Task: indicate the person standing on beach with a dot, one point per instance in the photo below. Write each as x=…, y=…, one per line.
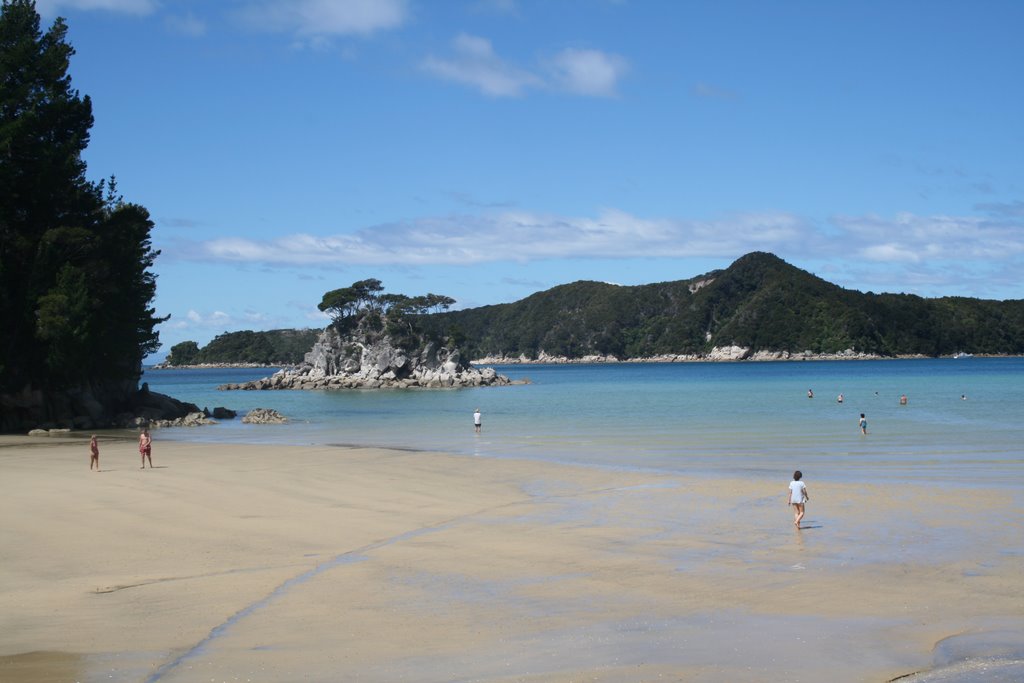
x=146, y=449
x=94, y=451
x=476, y=420
x=798, y=496
x=863, y=422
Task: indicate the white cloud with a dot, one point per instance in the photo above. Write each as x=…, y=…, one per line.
x=194, y=320
x=496, y=6
x=318, y=18
x=186, y=25
x=911, y=238
x=588, y=72
x=928, y=255
x=709, y=91
x=476, y=64
x=49, y=8
x=514, y=235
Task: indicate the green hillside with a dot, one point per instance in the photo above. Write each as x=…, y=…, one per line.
x=760, y=302
x=272, y=347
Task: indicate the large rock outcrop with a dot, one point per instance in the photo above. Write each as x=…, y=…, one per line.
x=367, y=360
x=90, y=406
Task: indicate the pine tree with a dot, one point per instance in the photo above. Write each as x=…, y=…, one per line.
x=75, y=280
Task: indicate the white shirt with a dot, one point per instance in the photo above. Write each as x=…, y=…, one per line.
x=798, y=492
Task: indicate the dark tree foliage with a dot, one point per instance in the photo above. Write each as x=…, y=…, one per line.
x=271, y=347
x=75, y=284
x=363, y=307
x=185, y=353
x=760, y=302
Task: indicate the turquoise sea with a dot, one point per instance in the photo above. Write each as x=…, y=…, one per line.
x=749, y=419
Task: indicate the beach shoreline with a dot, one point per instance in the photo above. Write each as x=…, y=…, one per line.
x=325, y=563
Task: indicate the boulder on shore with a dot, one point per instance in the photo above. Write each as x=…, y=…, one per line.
x=264, y=416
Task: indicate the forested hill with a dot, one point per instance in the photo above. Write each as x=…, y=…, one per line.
x=271, y=347
x=760, y=302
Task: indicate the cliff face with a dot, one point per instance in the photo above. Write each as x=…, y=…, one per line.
x=371, y=359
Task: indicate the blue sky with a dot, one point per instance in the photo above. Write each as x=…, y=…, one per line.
x=489, y=149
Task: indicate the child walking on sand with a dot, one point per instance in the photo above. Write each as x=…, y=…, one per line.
x=94, y=450
x=798, y=496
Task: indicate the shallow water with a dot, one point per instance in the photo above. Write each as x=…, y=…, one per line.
x=749, y=419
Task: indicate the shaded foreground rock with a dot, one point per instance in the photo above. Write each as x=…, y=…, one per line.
x=98, y=406
x=264, y=416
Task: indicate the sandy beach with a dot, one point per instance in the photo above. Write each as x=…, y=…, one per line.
x=272, y=563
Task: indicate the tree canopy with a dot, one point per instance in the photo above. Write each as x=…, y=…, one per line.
x=75, y=258
x=365, y=296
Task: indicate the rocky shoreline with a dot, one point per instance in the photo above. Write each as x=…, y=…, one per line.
x=717, y=354
x=215, y=366
x=306, y=378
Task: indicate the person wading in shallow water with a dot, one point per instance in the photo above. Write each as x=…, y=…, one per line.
x=476, y=420
x=146, y=449
x=797, y=497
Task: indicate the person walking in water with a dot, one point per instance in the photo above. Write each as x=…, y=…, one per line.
x=797, y=497
x=476, y=420
x=94, y=453
x=146, y=449
x=863, y=422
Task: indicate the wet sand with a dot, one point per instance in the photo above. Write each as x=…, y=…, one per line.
x=270, y=563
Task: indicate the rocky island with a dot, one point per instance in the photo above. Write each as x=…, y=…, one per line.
x=375, y=342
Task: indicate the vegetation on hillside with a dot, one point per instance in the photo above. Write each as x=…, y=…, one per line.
x=760, y=302
x=272, y=347
x=75, y=258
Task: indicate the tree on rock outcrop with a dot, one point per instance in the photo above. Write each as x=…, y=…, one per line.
x=75, y=284
x=363, y=309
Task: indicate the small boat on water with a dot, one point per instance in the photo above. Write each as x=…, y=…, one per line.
x=963, y=354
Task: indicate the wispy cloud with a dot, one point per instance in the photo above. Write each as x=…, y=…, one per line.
x=467, y=199
x=916, y=239
x=1012, y=209
x=49, y=8
x=496, y=6
x=708, y=91
x=515, y=236
x=322, y=18
x=218, y=320
x=476, y=64
x=905, y=252
x=588, y=72
x=186, y=24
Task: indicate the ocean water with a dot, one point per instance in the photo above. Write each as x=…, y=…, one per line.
x=748, y=419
